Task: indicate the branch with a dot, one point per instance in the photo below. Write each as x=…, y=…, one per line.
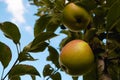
x=13, y=64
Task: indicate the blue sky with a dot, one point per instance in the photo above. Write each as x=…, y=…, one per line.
x=22, y=13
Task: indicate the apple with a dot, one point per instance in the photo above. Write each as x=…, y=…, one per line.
x=76, y=58
x=75, y=18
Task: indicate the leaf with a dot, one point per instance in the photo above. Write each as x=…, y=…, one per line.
x=117, y=27
x=25, y=57
x=89, y=5
x=36, y=2
x=15, y=78
x=5, y=54
x=90, y=34
x=48, y=3
x=47, y=70
x=59, y=4
x=53, y=56
x=38, y=44
x=39, y=48
x=113, y=17
x=64, y=42
x=33, y=77
x=66, y=32
x=114, y=36
x=114, y=69
x=75, y=78
x=92, y=75
x=56, y=76
x=54, y=22
x=22, y=69
x=41, y=24
x=11, y=31
x=109, y=2
x=52, y=26
x=99, y=16
x=43, y=36
x=36, y=48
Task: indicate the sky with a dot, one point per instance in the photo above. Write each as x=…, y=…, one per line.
x=22, y=13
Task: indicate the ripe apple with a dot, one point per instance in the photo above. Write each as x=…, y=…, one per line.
x=76, y=58
x=75, y=17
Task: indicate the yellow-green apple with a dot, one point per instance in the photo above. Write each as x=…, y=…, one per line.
x=75, y=17
x=76, y=58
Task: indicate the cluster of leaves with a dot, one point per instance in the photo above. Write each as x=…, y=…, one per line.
x=11, y=31
x=102, y=34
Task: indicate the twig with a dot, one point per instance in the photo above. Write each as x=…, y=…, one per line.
x=52, y=73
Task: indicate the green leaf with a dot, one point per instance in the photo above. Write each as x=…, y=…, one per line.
x=109, y=2
x=33, y=77
x=53, y=56
x=54, y=22
x=39, y=48
x=66, y=32
x=92, y=75
x=113, y=17
x=64, y=42
x=90, y=34
x=47, y=3
x=59, y=4
x=100, y=14
x=36, y=48
x=5, y=54
x=89, y=5
x=43, y=36
x=25, y=57
x=114, y=69
x=38, y=44
x=22, y=69
x=52, y=26
x=15, y=78
x=36, y=2
x=41, y=24
x=11, y=31
x=47, y=70
x=75, y=78
x=56, y=76
x=117, y=27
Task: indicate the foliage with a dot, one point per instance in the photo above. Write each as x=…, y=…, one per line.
x=102, y=34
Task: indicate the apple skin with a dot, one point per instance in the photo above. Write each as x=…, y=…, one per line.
x=76, y=58
x=75, y=18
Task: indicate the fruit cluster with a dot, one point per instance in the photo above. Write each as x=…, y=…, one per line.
x=76, y=57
